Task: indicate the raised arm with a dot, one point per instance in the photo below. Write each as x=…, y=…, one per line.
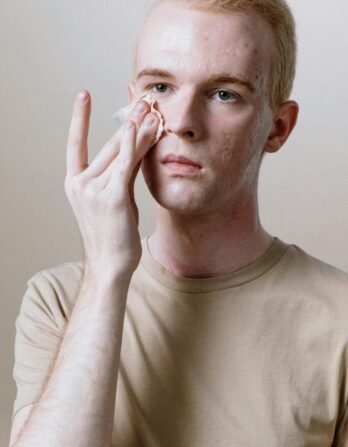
x=77, y=405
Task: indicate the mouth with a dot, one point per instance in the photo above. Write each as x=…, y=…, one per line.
x=181, y=165
x=180, y=160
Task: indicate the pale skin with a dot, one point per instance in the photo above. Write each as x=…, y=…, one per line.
x=76, y=407
x=211, y=219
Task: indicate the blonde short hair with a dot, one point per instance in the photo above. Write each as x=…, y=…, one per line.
x=279, y=16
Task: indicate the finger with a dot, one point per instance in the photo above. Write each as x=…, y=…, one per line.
x=77, y=152
x=144, y=139
x=140, y=110
x=146, y=135
x=103, y=179
x=124, y=163
x=112, y=147
x=132, y=182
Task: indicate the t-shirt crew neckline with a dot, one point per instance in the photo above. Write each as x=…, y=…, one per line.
x=200, y=285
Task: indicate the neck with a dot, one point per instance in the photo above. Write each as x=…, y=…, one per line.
x=209, y=245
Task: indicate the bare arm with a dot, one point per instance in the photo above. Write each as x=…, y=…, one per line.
x=77, y=405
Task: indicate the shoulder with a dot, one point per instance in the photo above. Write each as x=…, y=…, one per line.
x=313, y=285
x=66, y=273
x=309, y=268
x=53, y=291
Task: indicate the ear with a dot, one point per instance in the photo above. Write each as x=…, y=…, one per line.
x=284, y=121
x=131, y=91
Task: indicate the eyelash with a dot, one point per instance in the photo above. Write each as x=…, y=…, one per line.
x=156, y=85
x=230, y=93
x=236, y=96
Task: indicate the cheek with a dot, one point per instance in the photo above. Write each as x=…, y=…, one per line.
x=244, y=132
x=234, y=141
x=239, y=149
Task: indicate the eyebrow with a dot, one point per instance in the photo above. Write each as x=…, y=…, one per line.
x=222, y=78
x=154, y=72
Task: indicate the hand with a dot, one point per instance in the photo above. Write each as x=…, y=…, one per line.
x=101, y=194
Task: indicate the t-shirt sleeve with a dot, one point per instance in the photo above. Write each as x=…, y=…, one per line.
x=45, y=309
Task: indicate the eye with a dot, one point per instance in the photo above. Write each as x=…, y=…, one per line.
x=226, y=96
x=159, y=88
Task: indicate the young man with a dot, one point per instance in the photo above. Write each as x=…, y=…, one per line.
x=215, y=332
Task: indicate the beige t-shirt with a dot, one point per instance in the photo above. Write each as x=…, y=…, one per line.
x=256, y=358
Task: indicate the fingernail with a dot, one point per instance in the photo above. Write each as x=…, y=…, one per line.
x=82, y=96
x=140, y=107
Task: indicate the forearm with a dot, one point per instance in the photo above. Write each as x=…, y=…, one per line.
x=77, y=405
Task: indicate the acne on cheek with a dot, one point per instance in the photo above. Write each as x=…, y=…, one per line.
x=238, y=159
x=228, y=142
x=245, y=136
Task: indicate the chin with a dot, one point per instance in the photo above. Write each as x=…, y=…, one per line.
x=180, y=200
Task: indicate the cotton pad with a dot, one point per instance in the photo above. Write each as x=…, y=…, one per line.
x=124, y=113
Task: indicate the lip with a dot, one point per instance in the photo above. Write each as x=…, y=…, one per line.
x=180, y=159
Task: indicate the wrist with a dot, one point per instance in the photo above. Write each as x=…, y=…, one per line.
x=107, y=276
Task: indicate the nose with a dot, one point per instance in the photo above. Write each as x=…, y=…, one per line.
x=183, y=117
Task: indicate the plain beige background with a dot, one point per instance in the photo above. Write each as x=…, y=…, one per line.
x=50, y=50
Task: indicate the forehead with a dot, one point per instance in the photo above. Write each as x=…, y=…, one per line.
x=197, y=41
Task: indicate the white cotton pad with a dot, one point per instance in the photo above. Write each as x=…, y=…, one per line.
x=124, y=113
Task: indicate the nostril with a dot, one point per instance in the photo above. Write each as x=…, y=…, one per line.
x=182, y=131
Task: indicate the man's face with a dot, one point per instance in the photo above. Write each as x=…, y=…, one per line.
x=209, y=73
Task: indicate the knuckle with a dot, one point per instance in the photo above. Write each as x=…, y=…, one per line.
x=90, y=192
x=77, y=188
x=125, y=162
x=78, y=183
x=114, y=200
x=123, y=170
x=82, y=192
